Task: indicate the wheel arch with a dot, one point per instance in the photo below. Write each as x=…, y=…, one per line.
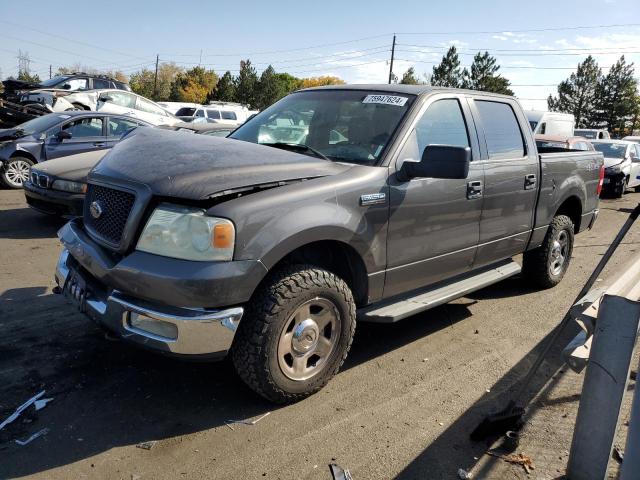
x=572, y=208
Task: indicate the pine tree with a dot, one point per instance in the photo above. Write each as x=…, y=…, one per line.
x=616, y=95
x=484, y=75
x=448, y=72
x=577, y=94
x=225, y=90
x=409, y=77
x=246, y=83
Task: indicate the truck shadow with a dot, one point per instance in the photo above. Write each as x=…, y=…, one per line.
x=24, y=223
x=108, y=394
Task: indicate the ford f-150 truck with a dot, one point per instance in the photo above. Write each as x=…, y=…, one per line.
x=333, y=206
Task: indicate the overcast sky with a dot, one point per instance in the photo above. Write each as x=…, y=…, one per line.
x=351, y=40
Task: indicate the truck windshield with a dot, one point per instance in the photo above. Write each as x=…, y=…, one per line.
x=590, y=134
x=611, y=150
x=352, y=126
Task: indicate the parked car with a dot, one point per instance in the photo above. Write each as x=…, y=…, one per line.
x=57, y=135
x=173, y=107
x=551, y=123
x=108, y=101
x=622, y=165
x=567, y=143
x=592, y=133
x=201, y=246
x=632, y=138
x=57, y=187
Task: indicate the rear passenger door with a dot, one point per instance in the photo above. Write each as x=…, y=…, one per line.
x=434, y=223
x=511, y=170
x=87, y=134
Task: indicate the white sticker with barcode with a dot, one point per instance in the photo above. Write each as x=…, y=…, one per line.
x=386, y=100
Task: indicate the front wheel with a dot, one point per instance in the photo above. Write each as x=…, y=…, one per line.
x=546, y=265
x=16, y=171
x=296, y=333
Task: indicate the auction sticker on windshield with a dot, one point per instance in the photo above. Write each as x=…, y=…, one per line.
x=386, y=100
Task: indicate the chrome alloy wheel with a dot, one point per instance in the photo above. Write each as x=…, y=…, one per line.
x=308, y=339
x=17, y=172
x=559, y=251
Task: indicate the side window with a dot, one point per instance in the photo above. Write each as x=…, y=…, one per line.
x=122, y=99
x=75, y=84
x=84, y=127
x=200, y=113
x=118, y=126
x=543, y=129
x=99, y=83
x=229, y=115
x=213, y=114
x=147, y=106
x=442, y=124
x=501, y=130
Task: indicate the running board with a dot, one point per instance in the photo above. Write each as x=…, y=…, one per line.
x=438, y=295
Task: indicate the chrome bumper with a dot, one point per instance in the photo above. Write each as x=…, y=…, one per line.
x=181, y=331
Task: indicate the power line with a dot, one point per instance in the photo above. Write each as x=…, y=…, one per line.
x=515, y=49
x=528, y=54
x=524, y=67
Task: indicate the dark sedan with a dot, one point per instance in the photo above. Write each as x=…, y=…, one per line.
x=57, y=135
x=57, y=187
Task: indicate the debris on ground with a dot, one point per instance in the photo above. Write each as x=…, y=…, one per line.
x=44, y=431
x=40, y=404
x=463, y=474
x=146, y=445
x=20, y=409
x=618, y=453
x=517, y=459
x=247, y=422
x=339, y=473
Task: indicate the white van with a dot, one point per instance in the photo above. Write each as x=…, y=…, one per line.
x=592, y=133
x=215, y=112
x=551, y=123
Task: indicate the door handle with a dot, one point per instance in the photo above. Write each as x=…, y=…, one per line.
x=530, y=181
x=474, y=189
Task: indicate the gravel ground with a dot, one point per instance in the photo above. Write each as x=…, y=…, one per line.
x=402, y=406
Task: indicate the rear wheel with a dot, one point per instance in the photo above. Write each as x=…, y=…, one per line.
x=619, y=190
x=546, y=265
x=16, y=171
x=296, y=333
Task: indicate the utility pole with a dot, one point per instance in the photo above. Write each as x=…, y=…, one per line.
x=50, y=69
x=393, y=51
x=155, y=79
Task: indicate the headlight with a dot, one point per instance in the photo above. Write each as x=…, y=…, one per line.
x=187, y=233
x=68, y=186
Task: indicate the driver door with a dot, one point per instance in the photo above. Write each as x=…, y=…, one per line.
x=87, y=134
x=434, y=224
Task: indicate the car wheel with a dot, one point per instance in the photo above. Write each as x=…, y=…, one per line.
x=77, y=106
x=618, y=192
x=296, y=333
x=16, y=171
x=546, y=265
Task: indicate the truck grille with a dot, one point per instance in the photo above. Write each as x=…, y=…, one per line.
x=106, y=212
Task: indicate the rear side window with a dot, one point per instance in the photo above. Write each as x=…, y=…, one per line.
x=501, y=130
x=213, y=114
x=99, y=84
x=226, y=115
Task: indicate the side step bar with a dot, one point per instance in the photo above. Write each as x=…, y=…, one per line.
x=439, y=294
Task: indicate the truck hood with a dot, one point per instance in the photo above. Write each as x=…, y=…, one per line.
x=15, y=85
x=7, y=134
x=612, y=161
x=196, y=167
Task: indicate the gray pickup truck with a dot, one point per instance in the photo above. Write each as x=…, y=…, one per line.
x=333, y=206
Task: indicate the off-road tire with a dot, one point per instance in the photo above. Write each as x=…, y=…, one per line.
x=8, y=171
x=536, y=263
x=254, y=352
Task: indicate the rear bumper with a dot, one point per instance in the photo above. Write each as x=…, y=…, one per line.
x=53, y=202
x=177, y=331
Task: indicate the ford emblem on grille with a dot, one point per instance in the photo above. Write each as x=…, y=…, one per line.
x=95, y=209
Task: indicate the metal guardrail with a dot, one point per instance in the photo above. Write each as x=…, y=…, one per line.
x=605, y=346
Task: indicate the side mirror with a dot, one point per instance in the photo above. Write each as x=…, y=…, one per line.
x=439, y=161
x=105, y=98
x=63, y=135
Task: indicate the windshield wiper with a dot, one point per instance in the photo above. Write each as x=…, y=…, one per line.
x=297, y=146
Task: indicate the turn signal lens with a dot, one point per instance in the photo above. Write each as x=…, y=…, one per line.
x=223, y=235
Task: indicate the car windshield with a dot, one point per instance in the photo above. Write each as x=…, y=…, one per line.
x=591, y=134
x=611, y=150
x=40, y=124
x=185, y=112
x=50, y=82
x=351, y=126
